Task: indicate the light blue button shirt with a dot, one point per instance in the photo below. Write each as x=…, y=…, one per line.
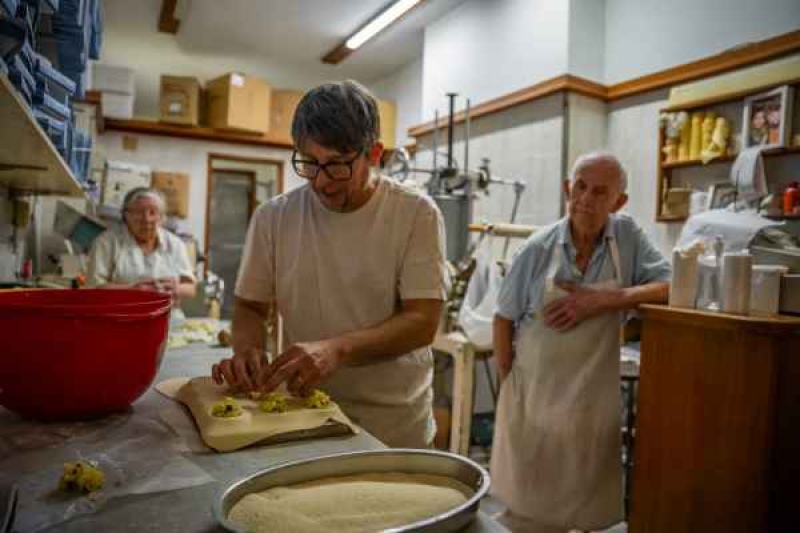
x=521, y=293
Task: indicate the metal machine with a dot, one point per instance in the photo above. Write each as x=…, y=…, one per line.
x=455, y=189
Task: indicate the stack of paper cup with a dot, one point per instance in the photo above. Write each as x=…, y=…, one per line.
x=765, y=289
x=683, y=289
x=737, y=269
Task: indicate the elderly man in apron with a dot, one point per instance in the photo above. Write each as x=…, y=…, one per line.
x=353, y=262
x=556, y=462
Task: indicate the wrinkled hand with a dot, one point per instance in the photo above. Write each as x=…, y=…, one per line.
x=166, y=285
x=241, y=371
x=303, y=367
x=581, y=303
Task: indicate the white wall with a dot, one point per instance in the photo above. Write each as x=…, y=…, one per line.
x=131, y=39
x=644, y=36
x=587, y=126
x=587, y=29
x=404, y=87
x=523, y=144
x=633, y=138
x=191, y=157
x=486, y=48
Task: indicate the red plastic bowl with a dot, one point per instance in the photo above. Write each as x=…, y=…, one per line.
x=76, y=354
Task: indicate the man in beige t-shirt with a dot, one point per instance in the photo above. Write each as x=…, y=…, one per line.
x=354, y=264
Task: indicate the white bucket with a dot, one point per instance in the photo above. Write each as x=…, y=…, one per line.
x=765, y=289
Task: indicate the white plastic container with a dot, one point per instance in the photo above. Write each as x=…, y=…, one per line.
x=737, y=268
x=765, y=289
x=683, y=288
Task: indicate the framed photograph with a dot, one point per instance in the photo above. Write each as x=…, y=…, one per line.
x=767, y=118
x=720, y=195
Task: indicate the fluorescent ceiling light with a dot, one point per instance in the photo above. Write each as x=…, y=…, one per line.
x=392, y=13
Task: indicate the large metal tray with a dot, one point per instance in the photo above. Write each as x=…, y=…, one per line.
x=393, y=460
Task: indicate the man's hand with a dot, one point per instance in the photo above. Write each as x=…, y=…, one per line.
x=303, y=367
x=241, y=371
x=581, y=303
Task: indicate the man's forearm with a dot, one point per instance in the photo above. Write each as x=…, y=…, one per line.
x=631, y=297
x=247, y=329
x=407, y=330
x=502, y=339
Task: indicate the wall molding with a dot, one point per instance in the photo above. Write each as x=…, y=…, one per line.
x=736, y=58
x=197, y=133
x=566, y=82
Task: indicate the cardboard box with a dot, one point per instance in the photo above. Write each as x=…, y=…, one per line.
x=113, y=79
x=284, y=103
x=388, y=114
x=180, y=100
x=121, y=177
x=117, y=105
x=238, y=102
x=175, y=188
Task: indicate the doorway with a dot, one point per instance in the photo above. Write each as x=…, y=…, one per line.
x=236, y=186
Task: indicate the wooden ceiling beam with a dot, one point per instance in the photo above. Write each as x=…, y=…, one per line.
x=167, y=23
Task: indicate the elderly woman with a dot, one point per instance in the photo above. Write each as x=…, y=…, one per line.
x=141, y=254
x=556, y=453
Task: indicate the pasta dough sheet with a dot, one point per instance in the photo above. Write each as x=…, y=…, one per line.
x=254, y=425
x=349, y=504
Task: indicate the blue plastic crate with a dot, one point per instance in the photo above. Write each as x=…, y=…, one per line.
x=22, y=88
x=96, y=37
x=9, y=7
x=27, y=55
x=20, y=76
x=81, y=154
x=12, y=36
x=47, y=104
x=28, y=11
x=50, y=81
x=72, y=11
x=56, y=130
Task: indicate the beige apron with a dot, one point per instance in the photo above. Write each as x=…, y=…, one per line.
x=392, y=400
x=556, y=452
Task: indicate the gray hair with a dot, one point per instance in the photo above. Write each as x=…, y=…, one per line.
x=341, y=116
x=600, y=156
x=144, y=192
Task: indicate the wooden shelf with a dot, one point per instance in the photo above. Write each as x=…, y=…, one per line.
x=197, y=133
x=29, y=163
x=95, y=98
x=729, y=158
x=664, y=218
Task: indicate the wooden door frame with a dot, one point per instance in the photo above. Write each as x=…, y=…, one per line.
x=250, y=173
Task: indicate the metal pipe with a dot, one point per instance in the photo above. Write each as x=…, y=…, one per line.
x=433, y=184
x=450, y=117
x=466, y=140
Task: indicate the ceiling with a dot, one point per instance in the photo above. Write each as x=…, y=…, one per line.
x=300, y=32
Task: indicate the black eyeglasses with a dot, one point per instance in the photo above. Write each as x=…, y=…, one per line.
x=336, y=170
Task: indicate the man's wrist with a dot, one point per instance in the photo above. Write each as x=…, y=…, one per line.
x=343, y=350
